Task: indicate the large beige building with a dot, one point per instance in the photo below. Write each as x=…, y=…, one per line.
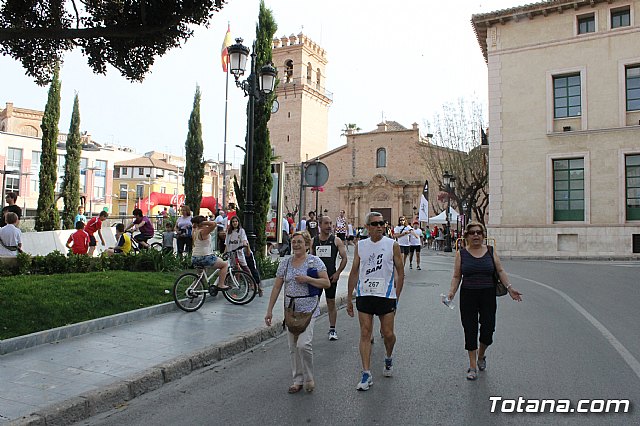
x=564, y=115
x=20, y=150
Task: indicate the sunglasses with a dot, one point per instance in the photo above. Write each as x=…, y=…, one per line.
x=476, y=232
x=379, y=223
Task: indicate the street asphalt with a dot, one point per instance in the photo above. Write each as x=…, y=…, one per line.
x=563, y=341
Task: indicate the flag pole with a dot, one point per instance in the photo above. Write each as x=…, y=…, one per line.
x=224, y=157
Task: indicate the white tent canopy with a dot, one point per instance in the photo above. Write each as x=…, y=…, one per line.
x=441, y=219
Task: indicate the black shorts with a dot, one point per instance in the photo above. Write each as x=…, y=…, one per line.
x=404, y=249
x=414, y=248
x=350, y=238
x=341, y=235
x=374, y=305
x=92, y=241
x=142, y=237
x=330, y=293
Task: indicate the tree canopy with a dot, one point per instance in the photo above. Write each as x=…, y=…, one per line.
x=126, y=34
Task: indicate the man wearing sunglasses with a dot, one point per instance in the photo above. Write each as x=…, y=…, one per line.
x=376, y=262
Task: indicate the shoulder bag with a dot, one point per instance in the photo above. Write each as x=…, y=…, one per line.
x=501, y=289
x=296, y=322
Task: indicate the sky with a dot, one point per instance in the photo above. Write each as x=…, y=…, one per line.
x=399, y=61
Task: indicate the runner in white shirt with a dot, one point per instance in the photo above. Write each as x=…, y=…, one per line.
x=415, y=243
x=401, y=233
x=376, y=262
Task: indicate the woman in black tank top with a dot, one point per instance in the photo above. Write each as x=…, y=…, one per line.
x=474, y=267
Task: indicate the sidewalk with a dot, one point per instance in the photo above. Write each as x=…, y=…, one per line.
x=76, y=378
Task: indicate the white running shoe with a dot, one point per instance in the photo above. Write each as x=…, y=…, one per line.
x=365, y=382
x=333, y=335
x=388, y=367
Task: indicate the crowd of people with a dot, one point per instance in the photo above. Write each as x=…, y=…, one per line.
x=376, y=281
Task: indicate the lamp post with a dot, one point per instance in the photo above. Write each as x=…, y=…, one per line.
x=450, y=181
x=238, y=54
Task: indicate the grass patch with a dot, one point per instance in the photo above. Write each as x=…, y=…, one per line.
x=31, y=303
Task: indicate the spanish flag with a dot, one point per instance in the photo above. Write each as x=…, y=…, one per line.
x=228, y=41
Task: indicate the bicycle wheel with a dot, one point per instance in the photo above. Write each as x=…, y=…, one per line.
x=244, y=291
x=157, y=246
x=189, y=292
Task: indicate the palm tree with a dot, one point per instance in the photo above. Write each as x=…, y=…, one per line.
x=349, y=129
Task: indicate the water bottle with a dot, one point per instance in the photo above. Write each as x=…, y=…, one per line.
x=448, y=303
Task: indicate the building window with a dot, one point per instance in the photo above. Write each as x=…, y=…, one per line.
x=84, y=163
x=123, y=171
x=309, y=72
x=288, y=72
x=35, y=171
x=61, y=162
x=587, y=24
x=140, y=171
x=116, y=172
x=139, y=191
x=14, y=158
x=633, y=87
x=568, y=189
x=100, y=180
x=381, y=157
x=620, y=18
x=566, y=96
x=12, y=184
x=163, y=189
x=123, y=191
x=632, y=176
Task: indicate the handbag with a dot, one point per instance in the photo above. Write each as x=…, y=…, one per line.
x=296, y=322
x=501, y=289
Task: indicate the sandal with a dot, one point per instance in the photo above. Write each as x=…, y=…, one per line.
x=260, y=291
x=295, y=388
x=482, y=363
x=225, y=288
x=472, y=374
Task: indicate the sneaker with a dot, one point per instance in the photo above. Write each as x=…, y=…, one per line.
x=418, y=267
x=365, y=382
x=388, y=367
x=410, y=266
x=333, y=335
x=482, y=363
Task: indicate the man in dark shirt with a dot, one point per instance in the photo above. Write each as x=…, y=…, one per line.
x=312, y=225
x=144, y=225
x=11, y=206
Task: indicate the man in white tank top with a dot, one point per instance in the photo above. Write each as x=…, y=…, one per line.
x=377, y=276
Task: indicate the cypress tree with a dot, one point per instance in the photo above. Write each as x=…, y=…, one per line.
x=47, y=217
x=262, y=182
x=194, y=168
x=71, y=182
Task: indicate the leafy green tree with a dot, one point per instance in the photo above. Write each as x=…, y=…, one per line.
x=71, y=182
x=194, y=148
x=262, y=154
x=47, y=217
x=127, y=35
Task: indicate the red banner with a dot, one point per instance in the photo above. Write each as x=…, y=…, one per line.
x=160, y=199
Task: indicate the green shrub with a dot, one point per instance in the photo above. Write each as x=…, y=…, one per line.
x=267, y=267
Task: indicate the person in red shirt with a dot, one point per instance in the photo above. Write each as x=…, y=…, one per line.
x=95, y=224
x=80, y=240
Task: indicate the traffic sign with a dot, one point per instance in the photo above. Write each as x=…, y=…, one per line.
x=316, y=174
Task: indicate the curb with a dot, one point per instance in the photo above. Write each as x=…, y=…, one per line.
x=116, y=394
x=85, y=327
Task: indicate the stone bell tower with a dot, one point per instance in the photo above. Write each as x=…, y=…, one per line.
x=299, y=128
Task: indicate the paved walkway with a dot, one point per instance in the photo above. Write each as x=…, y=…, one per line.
x=75, y=378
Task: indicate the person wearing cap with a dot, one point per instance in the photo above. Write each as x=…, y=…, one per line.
x=415, y=243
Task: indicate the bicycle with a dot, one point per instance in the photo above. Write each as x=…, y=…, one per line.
x=190, y=289
x=135, y=246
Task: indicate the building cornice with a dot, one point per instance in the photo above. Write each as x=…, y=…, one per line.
x=483, y=21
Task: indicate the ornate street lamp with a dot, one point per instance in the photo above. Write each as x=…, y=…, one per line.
x=238, y=54
x=450, y=181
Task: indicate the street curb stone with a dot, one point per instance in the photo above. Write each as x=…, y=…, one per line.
x=89, y=404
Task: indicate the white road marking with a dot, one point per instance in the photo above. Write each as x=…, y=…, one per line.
x=631, y=361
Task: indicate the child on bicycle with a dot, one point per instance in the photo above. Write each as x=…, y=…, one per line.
x=143, y=224
x=124, y=242
x=202, y=254
x=236, y=238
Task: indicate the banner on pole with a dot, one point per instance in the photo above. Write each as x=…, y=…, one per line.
x=423, y=214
